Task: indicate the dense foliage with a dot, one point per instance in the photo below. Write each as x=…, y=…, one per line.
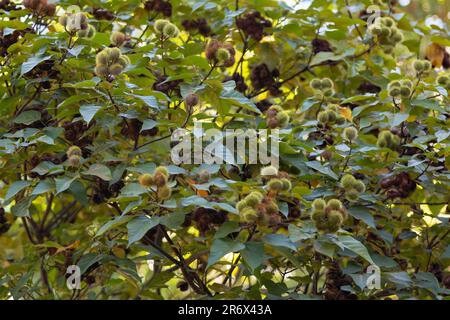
x=88, y=108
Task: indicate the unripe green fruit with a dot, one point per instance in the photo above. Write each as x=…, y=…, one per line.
x=101, y=70
x=351, y=195
x=328, y=93
x=335, y=218
x=124, y=61
x=249, y=215
x=241, y=205
x=275, y=185
x=442, y=80
x=272, y=123
x=382, y=143
x=269, y=171
x=74, y=151
x=160, y=24
x=63, y=20
x=316, y=84
x=340, y=119
x=407, y=83
x=326, y=83
x=145, y=180
x=347, y=181
x=376, y=30
x=191, y=100
x=117, y=38
x=164, y=192
x=74, y=160
x=113, y=53
x=163, y=170
x=116, y=69
x=322, y=117
x=283, y=119
x=387, y=21
x=395, y=92
x=418, y=66
x=331, y=116
x=394, y=84
x=350, y=133
x=334, y=204
x=253, y=199
x=388, y=49
x=170, y=30
x=272, y=208
x=222, y=54
x=397, y=37
x=287, y=185
x=319, y=204
x=405, y=91
x=385, y=31
x=318, y=215
x=159, y=179
x=359, y=186
x=102, y=58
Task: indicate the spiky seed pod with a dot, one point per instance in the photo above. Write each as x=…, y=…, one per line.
x=318, y=216
x=74, y=160
x=331, y=115
x=74, y=151
x=275, y=185
x=114, y=54
x=146, y=180
x=63, y=20
x=394, y=92
x=322, y=117
x=115, y=69
x=334, y=204
x=319, y=204
x=287, y=185
x=340, y=120
x=316, y=84
x=335, y=218
x=407, y=83
x=160, y=179
x=405, y=91
x=160, y=24
x=359, y=186
x=163, y=170
x=124, y=61
x=222, y=55
x=347, y=181
x=351, y=195
x=272, y=208
x=253, y=198
x=118, y=38
x=350, y=133
x=387, y=21
x=269, y=171
x=101, y=70
x=283, y=119
x=191, y=100
x=326, y=83
x=442, y=80
x=249, y=215
x=385, y=32
x=170, y=30
x=164, y=192
x=418, y=66
x=241, y=205
x=102, y=58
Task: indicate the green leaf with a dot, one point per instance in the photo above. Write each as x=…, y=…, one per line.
x=15, y=188
x=316, y=165
x=62, y=184
x=112, y=224
x=28, y=117
x=138, y=227
x=88, y=112
x=253, y=254
x=225, y=229
x=32, y=62
x=357, y=247
x=21, y=209
x=221, y=247
x=362, y=213
x=43, y=187
x=99, y=170
x=279, y=240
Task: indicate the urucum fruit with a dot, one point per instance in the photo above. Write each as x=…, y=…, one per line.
x=328, y=216
x=444, y=81
x=74, y=22
x=387, y=33
x=110, y=61
x=330, y=116
x=352, y=187
x=276, y=117
x=350, y=134
x=166, y=28
x=400, y=89
x=422, y=66
x=74, y=156
x=88, y=33
x=387, y=139
x=158, y=179
x=322, y=87
x=221, y=54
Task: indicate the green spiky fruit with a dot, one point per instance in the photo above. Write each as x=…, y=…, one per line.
x=359, y=186
x=322, y=117
x=241, y=205
x=347, y=181
x=74, y=160
x=222, y=54
x=275, y=185
x=115, y=69
x=319, y=204
x=145, y=180
x=350, y=133
x=316, y=84
x=170, y=30
x=117, y=38
x=160, y=24
x=164, y=192
x=253, y=199
x=326, y=83
x=163, y=170
x=287, y=185
x=74, y=151
x=249, y=215
x=334, y=204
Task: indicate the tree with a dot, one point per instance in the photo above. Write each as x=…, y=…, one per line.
x=93, y=207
